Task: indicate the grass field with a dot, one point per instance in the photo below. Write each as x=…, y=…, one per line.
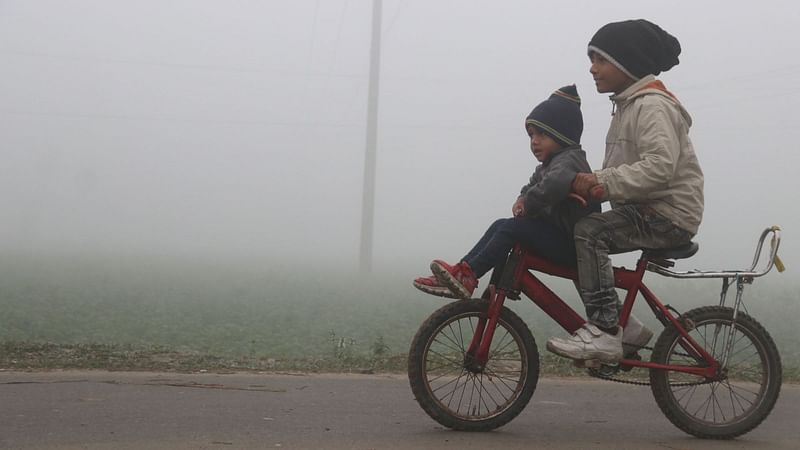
x=258, y=315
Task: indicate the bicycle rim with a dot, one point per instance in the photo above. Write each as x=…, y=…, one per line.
x=474, y=396
x=739, y=394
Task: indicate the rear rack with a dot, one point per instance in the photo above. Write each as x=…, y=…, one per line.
x=740, y=274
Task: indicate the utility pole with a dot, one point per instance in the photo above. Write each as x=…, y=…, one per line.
x=368, y=200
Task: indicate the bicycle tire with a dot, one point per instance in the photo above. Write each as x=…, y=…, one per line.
x=440, y=380
x=737, y=402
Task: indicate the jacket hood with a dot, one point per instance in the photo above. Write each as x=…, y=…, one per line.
x=649, y=85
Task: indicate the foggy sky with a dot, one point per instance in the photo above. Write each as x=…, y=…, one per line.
x=210, y=128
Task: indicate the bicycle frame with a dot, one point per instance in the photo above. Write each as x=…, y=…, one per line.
x=517, y=277
x=520, y=266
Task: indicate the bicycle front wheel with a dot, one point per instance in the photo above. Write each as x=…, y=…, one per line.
x=453, y=392
x=736, y=401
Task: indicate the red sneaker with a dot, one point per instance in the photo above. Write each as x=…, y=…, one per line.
x=459, y=278
x=431, y=285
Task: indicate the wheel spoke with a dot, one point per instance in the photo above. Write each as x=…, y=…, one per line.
x=504, y=380
x=482, y=399
x=448, y=358
x=717, y=405
x=463, y=390
x=454, y=338
x=454, y=382
x=502, y=345
x=736, y=398
x=448, y=373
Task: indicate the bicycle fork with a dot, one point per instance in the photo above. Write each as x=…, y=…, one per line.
x=740, y=282
x=478, y=352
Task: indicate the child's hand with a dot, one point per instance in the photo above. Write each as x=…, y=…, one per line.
x=518, y=209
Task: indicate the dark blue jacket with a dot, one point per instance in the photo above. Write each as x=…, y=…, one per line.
x=546, y=193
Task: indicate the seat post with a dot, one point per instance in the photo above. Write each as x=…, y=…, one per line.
x=508, y=281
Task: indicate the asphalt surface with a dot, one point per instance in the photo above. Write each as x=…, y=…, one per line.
x=124, y=410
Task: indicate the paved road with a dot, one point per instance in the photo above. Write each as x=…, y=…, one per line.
x=114, y=410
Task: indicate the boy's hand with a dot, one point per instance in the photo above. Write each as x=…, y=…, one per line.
x=518, y=209
x=583, y=183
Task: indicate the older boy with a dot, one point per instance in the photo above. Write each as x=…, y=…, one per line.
x=543, y=216
x=650, y=175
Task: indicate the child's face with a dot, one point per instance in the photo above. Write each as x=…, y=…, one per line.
x=607, y=77
x=542, y=145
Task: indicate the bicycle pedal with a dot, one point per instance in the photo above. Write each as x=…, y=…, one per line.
x=604, y=371
x=588, y=363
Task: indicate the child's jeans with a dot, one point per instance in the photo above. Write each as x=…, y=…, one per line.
x=540, y=237
x=620, y=230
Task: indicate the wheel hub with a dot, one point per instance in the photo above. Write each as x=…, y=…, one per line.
x=472, y=364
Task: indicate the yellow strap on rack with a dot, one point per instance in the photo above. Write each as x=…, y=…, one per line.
x=779, y=264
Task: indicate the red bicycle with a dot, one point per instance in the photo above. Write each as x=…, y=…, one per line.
x=714, y=371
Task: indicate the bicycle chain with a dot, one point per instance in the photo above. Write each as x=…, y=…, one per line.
x=596, y=374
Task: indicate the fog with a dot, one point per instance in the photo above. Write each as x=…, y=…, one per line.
x=235, y=130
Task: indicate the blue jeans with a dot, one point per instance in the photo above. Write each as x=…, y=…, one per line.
x=623, y=229
x=538, y=236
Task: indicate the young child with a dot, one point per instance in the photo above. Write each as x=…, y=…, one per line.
x=650, y=175
x=543, y=216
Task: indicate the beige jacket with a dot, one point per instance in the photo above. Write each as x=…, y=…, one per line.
x=649, y=156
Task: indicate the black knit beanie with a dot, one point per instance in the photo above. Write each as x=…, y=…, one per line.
x=559, y=116
x=636, y=47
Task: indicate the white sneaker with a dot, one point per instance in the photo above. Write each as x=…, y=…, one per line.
x=589, y=342
x=635, y=335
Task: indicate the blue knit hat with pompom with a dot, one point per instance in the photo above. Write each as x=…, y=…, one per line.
x=559, y=116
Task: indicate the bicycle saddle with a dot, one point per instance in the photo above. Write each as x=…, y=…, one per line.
x=680, y=252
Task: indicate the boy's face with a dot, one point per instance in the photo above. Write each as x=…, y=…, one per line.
x=607, y=77
x=542, y=145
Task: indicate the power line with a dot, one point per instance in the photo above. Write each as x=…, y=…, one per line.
x=285, y=73
x=769, y=72
x=175, y=118
x=336, y=41
x=313, y=33
x=181, y=66
x=463, y=127
x=400, y=5
x=748, y=97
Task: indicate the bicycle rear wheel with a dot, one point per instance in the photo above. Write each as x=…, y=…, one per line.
x=464, y=399
x=736, y=401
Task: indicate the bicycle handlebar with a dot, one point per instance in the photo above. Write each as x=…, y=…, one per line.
x=752, y=272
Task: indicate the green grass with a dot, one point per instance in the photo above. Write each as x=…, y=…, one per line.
x=33, y=356
x=228, y=311
x=49, y=356
x=179, y=315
